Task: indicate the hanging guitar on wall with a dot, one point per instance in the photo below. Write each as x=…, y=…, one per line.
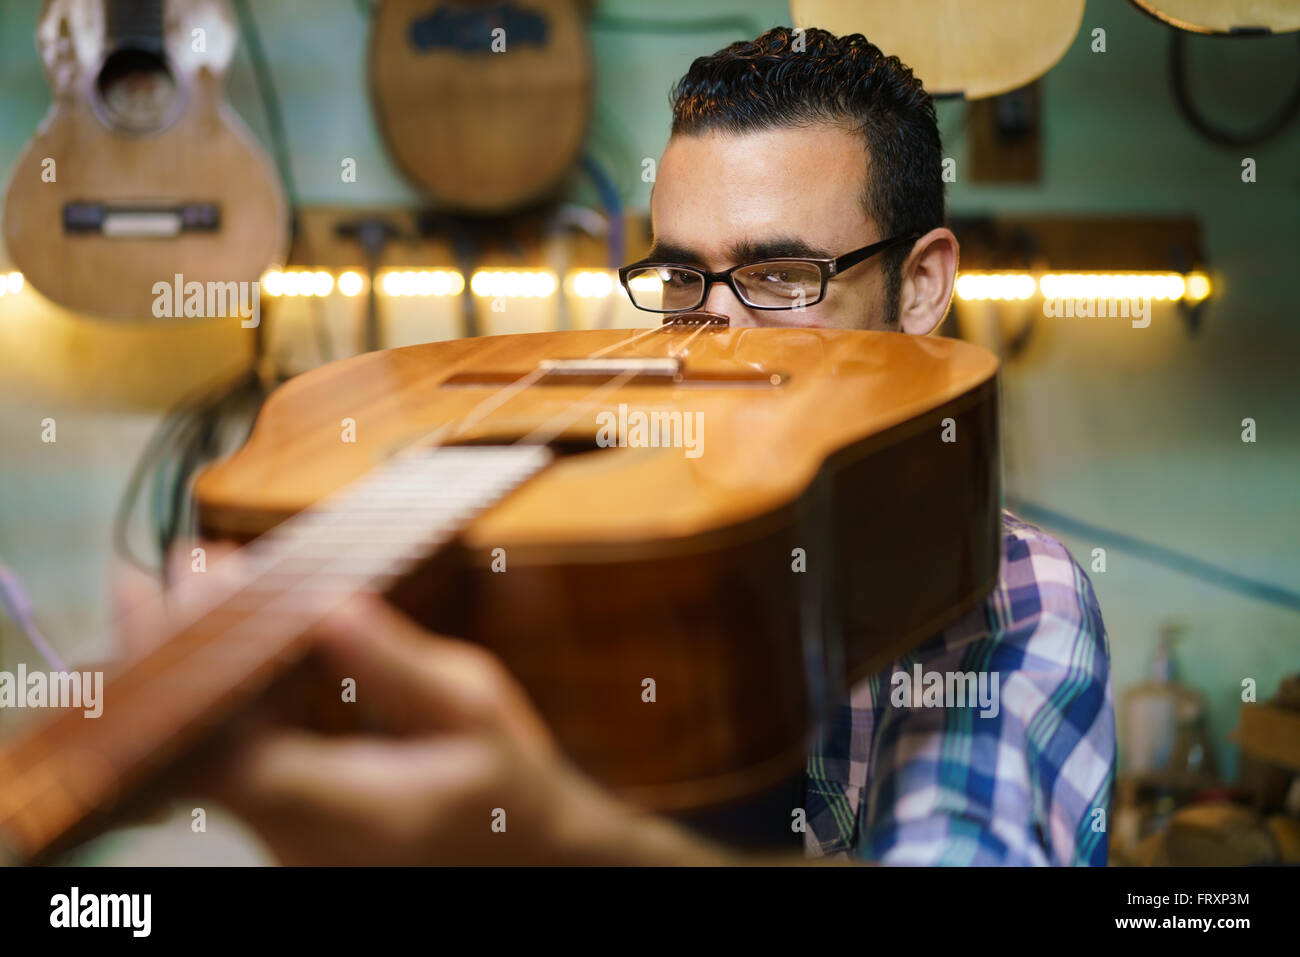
x=955, y=46
x=141, y=170
x=484, y=106
x=1225, y=16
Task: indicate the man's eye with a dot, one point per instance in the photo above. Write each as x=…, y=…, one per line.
x=677, y=277
x=775, y=276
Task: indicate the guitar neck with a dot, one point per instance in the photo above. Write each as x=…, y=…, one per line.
x=134, y=23
x=223, y=640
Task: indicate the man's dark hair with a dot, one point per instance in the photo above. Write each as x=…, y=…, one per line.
x=790, y=79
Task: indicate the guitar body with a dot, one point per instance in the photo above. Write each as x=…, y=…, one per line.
x=122, y=187
x=483, y=105
x=826, y=505
x=957, y=46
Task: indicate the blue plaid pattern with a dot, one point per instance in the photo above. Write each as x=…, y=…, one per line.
x=904, y=784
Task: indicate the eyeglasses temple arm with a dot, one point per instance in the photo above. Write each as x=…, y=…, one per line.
x=849, y=260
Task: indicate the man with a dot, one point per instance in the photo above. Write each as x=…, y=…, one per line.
x=789, y=147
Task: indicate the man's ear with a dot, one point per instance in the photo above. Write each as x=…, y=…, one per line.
x=929, y=274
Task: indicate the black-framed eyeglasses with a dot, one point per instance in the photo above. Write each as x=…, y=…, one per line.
x=789, y=282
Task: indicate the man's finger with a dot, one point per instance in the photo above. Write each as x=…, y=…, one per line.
x=356, y=799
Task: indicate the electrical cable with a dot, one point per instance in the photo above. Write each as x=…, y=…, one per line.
x=1261, y=133
x=270, y=99
x=271, y=109
x=187, y=437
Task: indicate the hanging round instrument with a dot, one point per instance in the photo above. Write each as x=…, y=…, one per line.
x=483, y=105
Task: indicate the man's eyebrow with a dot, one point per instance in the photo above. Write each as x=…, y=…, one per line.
x=670, y=252
x=741, y=252
x=776, y=248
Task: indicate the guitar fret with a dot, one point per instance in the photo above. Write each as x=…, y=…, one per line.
x=341, y=534
x=375, y=530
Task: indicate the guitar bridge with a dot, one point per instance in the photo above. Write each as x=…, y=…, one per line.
x=140, y=221
x=698, y=318
x=638, y=367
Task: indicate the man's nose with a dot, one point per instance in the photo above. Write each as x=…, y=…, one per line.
x=724, y=302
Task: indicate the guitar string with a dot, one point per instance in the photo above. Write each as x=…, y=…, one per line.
x=685, y=346
x=507, y=392
x=548, y=430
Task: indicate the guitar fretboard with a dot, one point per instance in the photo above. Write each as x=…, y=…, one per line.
x=374, y=530
x=230, y=633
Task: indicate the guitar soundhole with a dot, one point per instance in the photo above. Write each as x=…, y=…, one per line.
x=136, y=91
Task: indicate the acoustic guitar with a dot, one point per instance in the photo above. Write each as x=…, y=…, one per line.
x=812, y=504
x=140, y=171
x=483, y=105
x=957, y=46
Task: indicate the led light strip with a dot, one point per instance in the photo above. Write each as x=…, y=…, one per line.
x=11, y=283
x=1005, y=287
x=599, y=284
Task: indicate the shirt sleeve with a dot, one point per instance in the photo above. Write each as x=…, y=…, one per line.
x=1024, y=776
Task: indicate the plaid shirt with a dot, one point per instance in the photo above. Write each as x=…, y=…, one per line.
x=908, y=784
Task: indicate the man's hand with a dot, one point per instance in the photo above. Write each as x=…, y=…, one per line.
x=457, y=739
x=464, y=748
